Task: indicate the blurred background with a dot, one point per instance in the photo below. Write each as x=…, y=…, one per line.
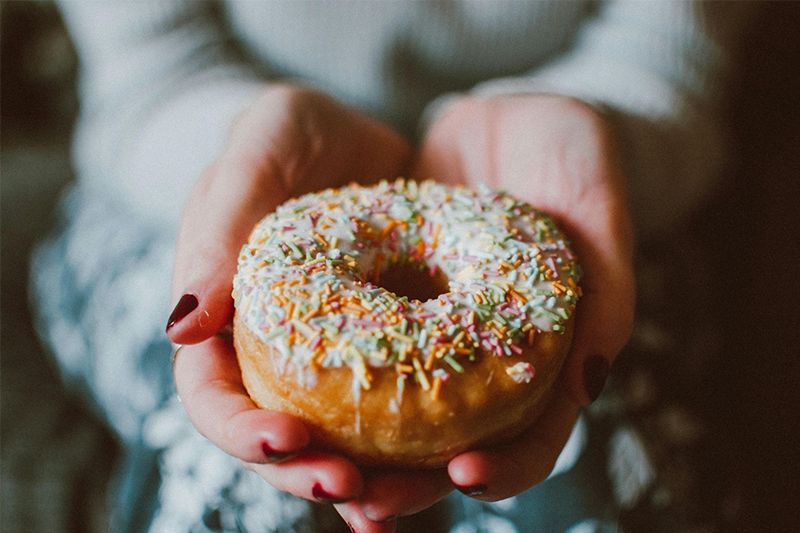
x=57, y=460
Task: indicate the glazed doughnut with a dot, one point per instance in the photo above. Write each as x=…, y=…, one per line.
x=406, y=322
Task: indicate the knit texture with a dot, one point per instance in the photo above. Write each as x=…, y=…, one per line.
x=162, y=82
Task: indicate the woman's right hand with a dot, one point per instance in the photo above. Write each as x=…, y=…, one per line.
x=288, y=142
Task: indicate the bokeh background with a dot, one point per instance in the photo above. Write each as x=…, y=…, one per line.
x=57, y=460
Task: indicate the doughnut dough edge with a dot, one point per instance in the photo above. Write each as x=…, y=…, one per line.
x=477, y=408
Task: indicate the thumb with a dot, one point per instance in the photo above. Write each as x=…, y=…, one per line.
x=225, y=205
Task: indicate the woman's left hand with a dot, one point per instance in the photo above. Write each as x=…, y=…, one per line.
x=559, y=155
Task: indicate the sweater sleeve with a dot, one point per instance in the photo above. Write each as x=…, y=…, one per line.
x=160, y=85
x=658, y=69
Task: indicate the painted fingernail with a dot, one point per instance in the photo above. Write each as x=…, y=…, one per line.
x=595, y=372
x=273, y=455
x=323, y=496
x=186, y=305
x=472, y=490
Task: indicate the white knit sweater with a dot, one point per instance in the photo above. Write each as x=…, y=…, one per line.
x=162, y=81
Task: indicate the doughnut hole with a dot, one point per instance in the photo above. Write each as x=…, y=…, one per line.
x=415, y=281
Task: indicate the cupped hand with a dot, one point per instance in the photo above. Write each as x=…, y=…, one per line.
x=559, y=155
x=287, y=142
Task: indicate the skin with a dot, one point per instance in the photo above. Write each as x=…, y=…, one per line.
x=555, y=153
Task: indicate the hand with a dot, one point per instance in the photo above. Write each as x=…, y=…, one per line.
x=559, y=155
x=288, y=142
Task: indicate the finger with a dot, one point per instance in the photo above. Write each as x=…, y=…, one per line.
x=442, y=156
x=438, y=161
x=320, y=143
x=358, y=150
x=597, y=220
x=601, y=233
x=209, y=384
x=357, y=521
x=225, y=205
x=380, y=154
x=395, y=493
x=315, y=476
x=511, y=468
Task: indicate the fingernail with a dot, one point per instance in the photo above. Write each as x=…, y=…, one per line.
x=473, y=490
x=273, y=455
x=322, y=495
x=186, y=305
x=595, y=372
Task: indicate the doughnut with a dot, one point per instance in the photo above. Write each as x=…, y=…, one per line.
x=406, y=322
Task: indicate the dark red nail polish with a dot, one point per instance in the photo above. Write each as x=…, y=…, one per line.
x=322, y=495
x=273, y=455
x=595, y=372
x=186, y=305
x=473, y=490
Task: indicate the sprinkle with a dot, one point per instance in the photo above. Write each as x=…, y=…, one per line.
x=423, y=337
x=275, y=333
x=453, y=363
x=423, y=379
x=437, y=385
x=311, y=314
x=545, y=312
x=431, y=357
x=435, y=239
x=517, y=297
x=304, y=328
x=386, y=230
x=296, y=252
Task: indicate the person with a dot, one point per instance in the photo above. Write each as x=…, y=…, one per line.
x=198, y=119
